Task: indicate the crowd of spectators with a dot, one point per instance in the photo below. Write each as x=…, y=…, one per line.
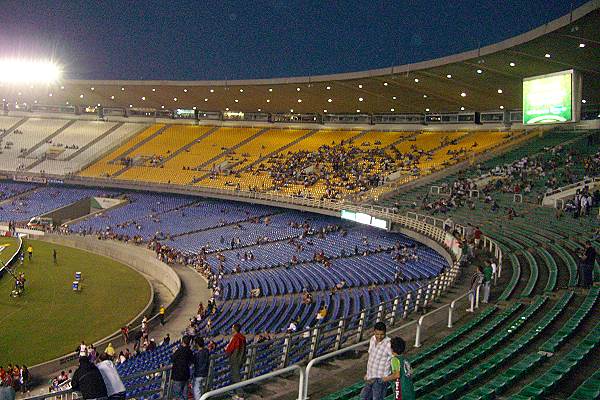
x=16, y=377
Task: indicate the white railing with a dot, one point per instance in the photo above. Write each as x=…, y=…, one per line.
x=555, y=197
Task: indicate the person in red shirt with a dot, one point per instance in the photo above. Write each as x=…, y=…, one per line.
x=236, y=353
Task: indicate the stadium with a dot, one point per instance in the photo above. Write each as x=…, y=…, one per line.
x=452, y=202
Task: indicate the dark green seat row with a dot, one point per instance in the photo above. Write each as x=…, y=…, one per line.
x=589, y=389
x=568, y=260
x=514, y=279
x=435, y=379
x=533, y=274
x=541, y=386
x=571, y=325
x=474, y=376
x=466, y=344
x=453, y=337
x=552, y=269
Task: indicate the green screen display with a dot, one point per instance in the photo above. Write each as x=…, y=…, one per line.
x=548, y=99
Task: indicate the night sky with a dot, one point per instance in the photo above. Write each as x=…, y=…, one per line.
x=197, y=40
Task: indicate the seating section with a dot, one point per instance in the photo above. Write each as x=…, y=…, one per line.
x=32, y=132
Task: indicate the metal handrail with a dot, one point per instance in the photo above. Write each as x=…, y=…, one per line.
x=260, y=378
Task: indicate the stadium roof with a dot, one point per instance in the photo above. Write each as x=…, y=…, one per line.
x=484, y=79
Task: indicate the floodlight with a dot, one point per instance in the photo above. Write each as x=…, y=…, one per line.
x=28, y=71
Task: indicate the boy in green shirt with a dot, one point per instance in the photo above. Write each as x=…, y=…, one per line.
x=401, y=372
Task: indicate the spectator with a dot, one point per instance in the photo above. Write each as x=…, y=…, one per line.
x=88, y=380
x=378, y=364
x=201, y=363
x=125, y=333
x=114, y=386
x=236, y=352
x=161, y=313
x=182, y=359
x=476, y=280
x=110, y=350
x=488, y=272
x=586, y=265
x=321, y=314
x=401, y=372
x=166, y=340
x=25, y=378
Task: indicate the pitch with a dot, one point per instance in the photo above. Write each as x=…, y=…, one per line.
x=50, y=319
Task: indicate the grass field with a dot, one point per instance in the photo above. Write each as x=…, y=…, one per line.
x=50, y=320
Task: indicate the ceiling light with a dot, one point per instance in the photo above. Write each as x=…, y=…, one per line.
x=462, y=109
x=512, y=64
x=67, y=103
x=122, y=88
x=184, y=90
x=328, y=87
x=291, y=110
x=174, y=98
x=112, y=97
x=357, y=111
x=205, y=99
x=427, y=109
x=584, y=101
x=385, y=83
x=62, y=88
x=162, y=106
x=131, y=105
x=360, y=86
x=241, y=90
x=324, y=111
x=581, y=45
x=81, y=96
x=329, y=100
x=236, y=100
x=393, y=97
x=144, y=98
x=49, y=94
x=449, y=76
x=212, y=90
x=392, y=110
x=502, y=107
x=360, y=99
x=416, y=80
x=193, y=108
x=479, y=71
x=297, y=89
x=268, y=100
x=499, y=91
x=92, y=89
x=463, y=94
x=424, y=96
x=259, y=109
x=299, y=100
x=547, y=55
x=226, y=108
x=35, y=101
x=154, y=89
x=270, y=89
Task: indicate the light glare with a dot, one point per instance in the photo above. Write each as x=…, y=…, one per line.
x=26, y=71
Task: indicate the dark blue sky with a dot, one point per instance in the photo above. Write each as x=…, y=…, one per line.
x=194, y=40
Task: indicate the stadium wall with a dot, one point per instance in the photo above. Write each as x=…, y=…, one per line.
x=139, y=259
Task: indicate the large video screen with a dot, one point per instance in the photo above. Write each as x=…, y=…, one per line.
x=549, y=99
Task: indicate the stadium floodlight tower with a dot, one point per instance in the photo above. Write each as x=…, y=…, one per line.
x=14, y=71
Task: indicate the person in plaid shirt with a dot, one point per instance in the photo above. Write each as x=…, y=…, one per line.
x=378, y=365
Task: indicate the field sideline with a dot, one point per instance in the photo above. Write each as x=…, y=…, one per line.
x=50, y=320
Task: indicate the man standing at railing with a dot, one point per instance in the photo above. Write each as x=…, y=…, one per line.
x=378, y=365
x=182, y=359
x=487, y=281
x=236, y=352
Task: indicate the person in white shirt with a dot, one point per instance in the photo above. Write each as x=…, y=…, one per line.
x=378, y=365
x=114, y=386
